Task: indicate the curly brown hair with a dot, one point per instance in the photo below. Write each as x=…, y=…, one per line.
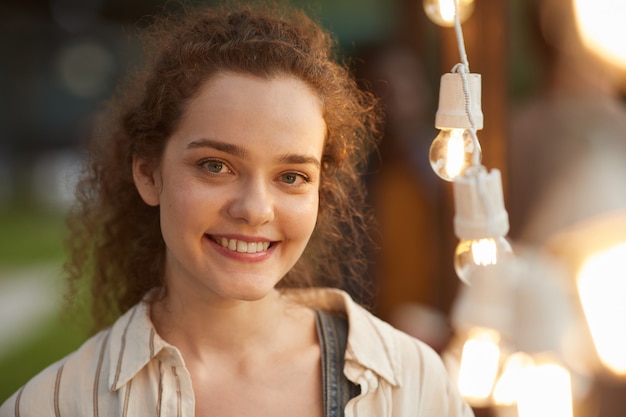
x=115, y=243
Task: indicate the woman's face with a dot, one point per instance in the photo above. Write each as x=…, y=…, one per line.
x=238, y=186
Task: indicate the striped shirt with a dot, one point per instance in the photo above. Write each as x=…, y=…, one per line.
x=128, y=370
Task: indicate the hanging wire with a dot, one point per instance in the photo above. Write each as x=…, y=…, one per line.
x=463, y=69
x=459, y=36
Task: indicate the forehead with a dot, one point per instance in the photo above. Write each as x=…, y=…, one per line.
x=244, y=107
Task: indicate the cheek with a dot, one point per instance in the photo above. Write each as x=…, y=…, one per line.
x=303, y=215
x=314, y=210
x=184, y=204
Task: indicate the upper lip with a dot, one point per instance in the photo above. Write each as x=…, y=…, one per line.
x=249, y=239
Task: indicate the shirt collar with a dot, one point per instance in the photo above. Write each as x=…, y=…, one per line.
x=367, y=345
x=134, y=343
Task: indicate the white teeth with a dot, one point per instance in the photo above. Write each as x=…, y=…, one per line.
x=251, y=247
x=242, y=246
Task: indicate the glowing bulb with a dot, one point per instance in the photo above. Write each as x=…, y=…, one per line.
x=452, y=152
x=479, y=365
x=473, y=254
x=509, y=384
x=602, y=287
x=456, y=147
x=546, y=391
x=441, y=12
x=600, y=25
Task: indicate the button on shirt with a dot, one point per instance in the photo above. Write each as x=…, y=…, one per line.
x=128, y=370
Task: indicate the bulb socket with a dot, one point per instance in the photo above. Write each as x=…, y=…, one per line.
x=479, y=206
x=451, y=113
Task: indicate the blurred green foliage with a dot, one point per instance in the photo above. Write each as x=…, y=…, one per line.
x=32, y=235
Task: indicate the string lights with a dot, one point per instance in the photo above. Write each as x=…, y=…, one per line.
x=500, y=359
x=515, y=320
x=481, y=222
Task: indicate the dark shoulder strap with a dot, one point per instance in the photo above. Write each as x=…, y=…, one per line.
x=338, y=390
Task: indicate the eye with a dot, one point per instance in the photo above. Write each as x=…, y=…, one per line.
x=293, y=178
x=289, y=178
x=214, y=166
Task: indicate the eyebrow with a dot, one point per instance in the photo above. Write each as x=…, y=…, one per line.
x=241, y=152
x=235, y=150
x=299, y=159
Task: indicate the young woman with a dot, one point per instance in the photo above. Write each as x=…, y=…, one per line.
x=221, y=215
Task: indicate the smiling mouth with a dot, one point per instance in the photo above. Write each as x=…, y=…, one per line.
x=241, y=246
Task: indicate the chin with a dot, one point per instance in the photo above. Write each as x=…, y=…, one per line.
x=252, y=293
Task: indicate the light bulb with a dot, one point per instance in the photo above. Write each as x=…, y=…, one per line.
x=479, y=365
x=601, y=288
x=545, y=391
x=441, y=12
x=456, y=146
x=599, y=24
x=480, y=222
x=509, y=385
x=471, y=254
x=452, y=152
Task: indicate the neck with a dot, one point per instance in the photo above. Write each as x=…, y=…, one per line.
x=240, y=328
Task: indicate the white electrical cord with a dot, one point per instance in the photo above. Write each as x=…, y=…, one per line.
x=462, y=69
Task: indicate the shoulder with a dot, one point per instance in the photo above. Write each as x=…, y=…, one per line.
x=401, y=349
x=46, y=392
x=96, y=378
x=409, y=370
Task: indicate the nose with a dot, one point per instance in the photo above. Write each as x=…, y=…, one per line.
x=253, y=202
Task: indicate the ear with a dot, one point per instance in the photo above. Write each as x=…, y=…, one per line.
x=146, y=180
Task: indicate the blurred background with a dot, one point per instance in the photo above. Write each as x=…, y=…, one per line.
x=553, y=98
